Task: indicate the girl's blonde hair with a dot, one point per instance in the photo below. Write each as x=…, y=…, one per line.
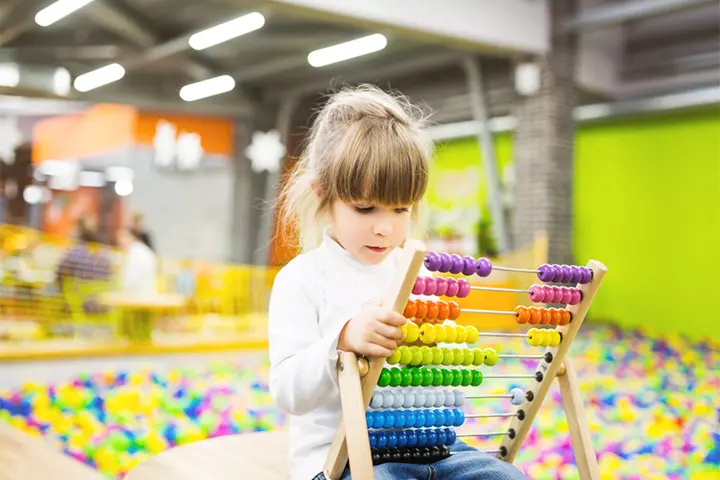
x=366, y=146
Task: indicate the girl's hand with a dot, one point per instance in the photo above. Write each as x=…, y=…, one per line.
x=374, y=332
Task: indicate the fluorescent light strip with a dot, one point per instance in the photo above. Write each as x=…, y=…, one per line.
x=347, y=50
x=98, y=78
x=226, y=31
x=9, y=75
x=207, y=88
x=58, y=10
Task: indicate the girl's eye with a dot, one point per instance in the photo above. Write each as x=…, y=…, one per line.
x=364, y=209
x=401, y=210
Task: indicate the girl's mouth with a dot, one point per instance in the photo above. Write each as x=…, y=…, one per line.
x=377, y=249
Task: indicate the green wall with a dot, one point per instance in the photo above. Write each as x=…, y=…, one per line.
x=647, y=204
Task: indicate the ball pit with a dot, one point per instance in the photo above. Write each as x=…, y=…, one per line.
x=651, y=405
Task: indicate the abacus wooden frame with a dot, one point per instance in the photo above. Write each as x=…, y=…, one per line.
x=358, y=378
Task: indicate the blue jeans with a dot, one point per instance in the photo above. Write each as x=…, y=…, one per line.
x=465, y=463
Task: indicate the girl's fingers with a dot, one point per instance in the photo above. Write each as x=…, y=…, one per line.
x=384, y=342
x=373, y=350
x=392, y=318
x=388, y=331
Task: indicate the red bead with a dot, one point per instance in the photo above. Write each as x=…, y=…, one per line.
x=454, y=310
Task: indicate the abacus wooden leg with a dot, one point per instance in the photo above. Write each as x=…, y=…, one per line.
x=353, y=406
x=577, y=423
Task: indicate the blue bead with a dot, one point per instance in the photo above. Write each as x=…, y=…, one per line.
x=440, y=418
x=441, y=436
x=392, y=439
x=373, y=439
x=449, y=418
x=432, y=437
x=369, y=419
x=382, y=440
x=399, y=418
x=430, y=418
x=450, y=433
x=422, y=438
x=402, y=438
x=411, y=438
x=410, y=418
x=420, y=418
x=379, y=419
x=459, y=417
x=389, y=420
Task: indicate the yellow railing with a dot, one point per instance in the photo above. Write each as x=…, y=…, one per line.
x=52, y=287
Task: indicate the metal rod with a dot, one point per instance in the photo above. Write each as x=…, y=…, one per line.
x=497, y=395
x=509, y=376
x=490, y=415
x=523, y=270
x=498, y=289
x=497, y=334
x=488, y=434
x=520, y=356
x=491, y=451
x=491, y=312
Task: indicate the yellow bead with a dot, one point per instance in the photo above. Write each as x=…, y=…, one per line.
x=532, y=337
x=471, y=334
x=548, y=338
x=450, y=333
x=460, y=334
x=448, y=356
x=478, y=357
x=413, y=332
x=469, y=357
x=458, y=357
x=555, y=341
x=491, y=357
x=403, y=330
x=427, y=333
x=439, y=334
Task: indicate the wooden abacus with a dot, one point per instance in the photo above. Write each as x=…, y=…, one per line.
x=359, y=377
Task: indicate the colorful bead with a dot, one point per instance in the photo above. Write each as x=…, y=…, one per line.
x=469, y=265
x=432, y=310
x=427, y=333
x=483, y=267
x=517, y=396
x=446, y=262
x=566, y=296
x=587, y=275
x=384, y=379
x=406, y=375
x=432, y=261
x=429, y=286
x=459, y=397
x=535, y=315
x=565, y=317
x=477, y=378
x=405, y=355
x=454, y=310
x=458, y=357
x=398, y=399
x=469, y=356
x=443, y=311
x=376, y=400
x=427, y=354
x=549, y=293
x=557, y=273
x=537, y=294
x=439, y=334
x=522, y=314
x=457, y=263
x=464, y=288
x=555, y=338
x=408, y=401
x=417, y=356
x=576, y=274
x=439, y=398
x=557, y=295
x=532, y=337
x=457, y=377
x=448, y=356
x=395, y=377
x=478, y=357
x=421, y=309
x=388, y=399
x=410, y=309
x=545, y=273
x=576, y=296
x=566, y=274
x=453, y=287
x=419, y=287
x=461, y=334
x=413, y=332
x=491, y=357
x=472, y=334
x=394, y=358
x=546, y=317
x=437, y=355
x=440, y=286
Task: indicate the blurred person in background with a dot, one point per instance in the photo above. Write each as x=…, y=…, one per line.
x=138, y=227
x=139, y=275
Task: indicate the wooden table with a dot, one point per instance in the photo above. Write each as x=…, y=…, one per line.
x=23, y=457
x=249, y=455
x=138, y=311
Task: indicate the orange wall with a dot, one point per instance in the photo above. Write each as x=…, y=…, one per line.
x=216, y=133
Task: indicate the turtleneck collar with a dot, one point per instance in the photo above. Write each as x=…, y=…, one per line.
x=334, y=248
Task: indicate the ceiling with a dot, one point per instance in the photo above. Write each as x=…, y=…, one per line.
x=149, y=38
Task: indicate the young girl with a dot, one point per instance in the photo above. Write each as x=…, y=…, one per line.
x=353, y=197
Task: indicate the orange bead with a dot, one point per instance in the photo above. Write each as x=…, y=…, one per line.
x=422, y=309
x=555, y=316
x=523, y=314
x=454, y=310
x=565, y=317
x=535, y=315
x=432, y=310
x=546, y=316
x=443, y=311
x=410, y=309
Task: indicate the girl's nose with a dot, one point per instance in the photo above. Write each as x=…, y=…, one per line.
x=383, y=228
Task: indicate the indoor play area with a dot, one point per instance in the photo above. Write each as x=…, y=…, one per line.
x=574, y=184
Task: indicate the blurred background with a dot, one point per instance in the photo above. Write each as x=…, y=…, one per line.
x=142, y=143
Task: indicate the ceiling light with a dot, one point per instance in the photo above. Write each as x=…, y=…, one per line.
x=207, y=88
x=56, y=11
x=226, y=31
x=9, y=75
x=347, y=50
x=61, y=82
x=123, y=187
x=98, y=78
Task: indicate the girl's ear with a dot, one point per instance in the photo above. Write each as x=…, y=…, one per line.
x=316, y=190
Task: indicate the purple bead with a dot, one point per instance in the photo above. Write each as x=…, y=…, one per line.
x=587, y=275
x=576, y=274
x=463, y=288
x=432, y=261
x=430, y=286
x=537, y=294
x=446, y=262
x=557, y=273
x=567, y=296
x=452, y=287
x=419, y=287
x=483, y=267
x=576, y=296
x=567, y=274
x=545, y=273
x=441, y=286
x=457, y=264
x=469, y=266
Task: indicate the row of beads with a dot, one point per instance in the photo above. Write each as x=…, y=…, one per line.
x=415, y=418
x=417, y=398
x=424, y=355
x=542, y=316
x=405, y=377
x=429, y=333
x=553, y=294
x=414, y=455
x=454, y=263
x=432, y=310
x=564, y=274
x=412, y=438
x=440, y=286
x=544, y=337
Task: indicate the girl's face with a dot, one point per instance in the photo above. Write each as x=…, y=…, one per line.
x=369, y=232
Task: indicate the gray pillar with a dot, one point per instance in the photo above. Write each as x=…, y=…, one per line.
x=241, y=231
x=543, y=148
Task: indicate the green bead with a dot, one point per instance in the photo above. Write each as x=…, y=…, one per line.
x=427, y=354
x=447, y=356
x=457, y=378
x=477, y=378
x=466, y=378
x=458, y=357
x=394, y=358
x=395, y=377
x=427, y=377
x=405, y=355
x=417, y=356
x=478, y=357
x=437, y=356
x=447, y=378
x=384, y=379
x=491, y=357
x=437, y=377
x=417, y=377
x=469, y=357
x=406, y=377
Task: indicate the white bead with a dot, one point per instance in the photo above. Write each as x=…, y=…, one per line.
x=449, y=398
x=409, y=399
x=420, y=399
x=377, y=400
x=429, y=398
x=439, y=398
x=518, y=396
x=388, y=399
x=399, y=399
x=459, y=398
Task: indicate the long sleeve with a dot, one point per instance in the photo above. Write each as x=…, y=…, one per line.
x=302, y=361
